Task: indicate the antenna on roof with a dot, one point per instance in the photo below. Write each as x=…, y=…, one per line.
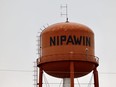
x=66, y=11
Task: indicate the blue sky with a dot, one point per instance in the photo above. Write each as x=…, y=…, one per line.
x=21, y=20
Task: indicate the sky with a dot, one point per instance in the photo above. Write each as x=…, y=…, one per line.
x=21, y=20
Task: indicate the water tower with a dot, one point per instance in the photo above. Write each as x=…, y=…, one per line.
x=67, y=51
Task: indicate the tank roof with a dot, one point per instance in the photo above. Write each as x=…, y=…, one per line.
x=67, y=26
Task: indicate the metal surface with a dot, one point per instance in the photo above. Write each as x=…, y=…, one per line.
x=66, y=42
x=40, y=77
x=96, y=81
x=72, y=74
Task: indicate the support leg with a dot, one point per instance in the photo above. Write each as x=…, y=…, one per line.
x=71, y=74
x=96, y=81
x=40, y=76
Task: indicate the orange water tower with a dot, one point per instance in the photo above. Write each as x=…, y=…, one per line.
x=67, y=51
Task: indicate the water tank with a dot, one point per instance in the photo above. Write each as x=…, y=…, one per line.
x=66, y=42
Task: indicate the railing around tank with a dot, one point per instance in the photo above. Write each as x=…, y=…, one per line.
x=71, y=56
x=97, y=59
